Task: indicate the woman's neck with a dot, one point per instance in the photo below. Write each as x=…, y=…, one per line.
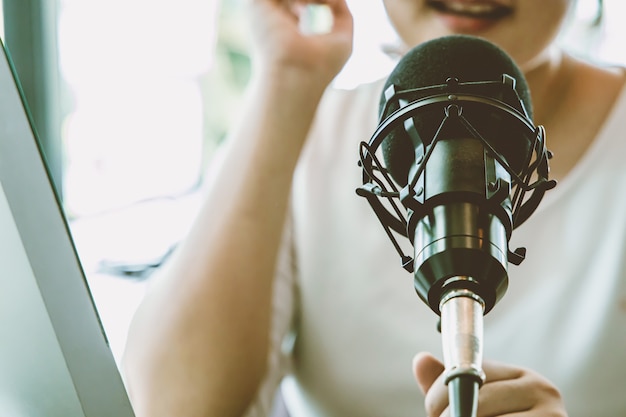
x=549, y=77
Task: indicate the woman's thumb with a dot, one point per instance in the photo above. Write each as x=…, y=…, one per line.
x=426, y=369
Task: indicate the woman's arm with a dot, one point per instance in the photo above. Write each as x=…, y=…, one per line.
x=199, y=341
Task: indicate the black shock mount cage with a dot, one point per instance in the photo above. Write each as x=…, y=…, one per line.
x=451, y=98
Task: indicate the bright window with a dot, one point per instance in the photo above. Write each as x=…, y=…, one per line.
x=135, y=128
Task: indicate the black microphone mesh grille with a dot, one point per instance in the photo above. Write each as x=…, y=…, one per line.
x=466, y=58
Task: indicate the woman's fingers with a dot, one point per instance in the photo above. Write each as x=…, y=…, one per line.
x=517, y=392
x=508, y=390
x=426, y=369
x=428, y=372
x=281, y=47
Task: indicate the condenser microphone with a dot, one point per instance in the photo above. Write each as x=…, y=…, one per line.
x=455, y=165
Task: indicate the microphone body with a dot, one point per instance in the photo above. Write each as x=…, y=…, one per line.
x=460, y=151
x=460, y=237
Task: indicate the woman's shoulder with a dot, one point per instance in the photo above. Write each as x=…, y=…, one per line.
x=598, y=94
x=604, y=79
x=588, y=104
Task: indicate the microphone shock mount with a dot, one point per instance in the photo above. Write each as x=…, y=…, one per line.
x=465, y=191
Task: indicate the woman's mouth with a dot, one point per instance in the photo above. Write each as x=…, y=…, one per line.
x=470, y=15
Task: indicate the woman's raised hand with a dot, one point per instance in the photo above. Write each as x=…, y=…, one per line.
x=281, y=48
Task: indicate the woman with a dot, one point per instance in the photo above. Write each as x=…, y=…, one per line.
x=285, y=262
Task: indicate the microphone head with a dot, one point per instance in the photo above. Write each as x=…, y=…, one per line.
x=468, y=59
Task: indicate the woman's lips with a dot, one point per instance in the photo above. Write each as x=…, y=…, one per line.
x=470, y=16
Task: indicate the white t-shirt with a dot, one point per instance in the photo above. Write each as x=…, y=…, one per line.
x=347, y=320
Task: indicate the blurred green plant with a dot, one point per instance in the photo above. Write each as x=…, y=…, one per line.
x=224, y=84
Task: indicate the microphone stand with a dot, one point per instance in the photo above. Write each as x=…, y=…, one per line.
x=462, y=339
